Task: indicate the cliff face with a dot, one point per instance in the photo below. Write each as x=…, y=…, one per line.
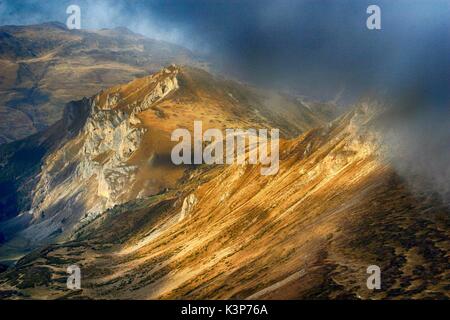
x=91, y=172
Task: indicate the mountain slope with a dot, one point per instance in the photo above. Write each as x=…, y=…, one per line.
x=45, y=66
x=225, y=232
x=115, y=147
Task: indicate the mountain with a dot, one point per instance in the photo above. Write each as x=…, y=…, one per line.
x=45, y=66
x=101, y=192
x=115, y=146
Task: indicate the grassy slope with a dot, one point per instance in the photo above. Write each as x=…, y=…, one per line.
x=309, y=232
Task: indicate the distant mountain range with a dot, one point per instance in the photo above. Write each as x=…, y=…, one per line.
x=45, y=66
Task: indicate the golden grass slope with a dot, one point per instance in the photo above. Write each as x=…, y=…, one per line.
x=310, y=231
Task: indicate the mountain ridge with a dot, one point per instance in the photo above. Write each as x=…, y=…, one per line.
x=113, y=135
x=104, y=195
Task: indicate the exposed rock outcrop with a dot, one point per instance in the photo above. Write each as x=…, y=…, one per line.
x=188, y=205
x=91, y=172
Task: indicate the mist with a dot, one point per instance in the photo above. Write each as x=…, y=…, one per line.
x=415, y=134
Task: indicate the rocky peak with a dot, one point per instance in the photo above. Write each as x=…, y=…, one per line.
x=141, y=93
x=91, y=172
